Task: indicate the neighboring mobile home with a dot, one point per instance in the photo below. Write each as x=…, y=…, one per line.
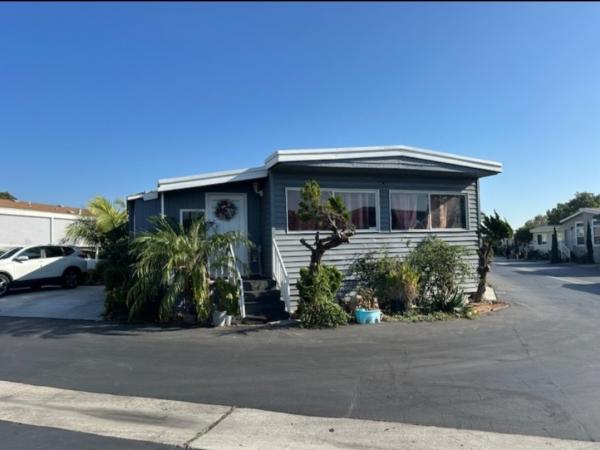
x=542, y=237
x=396, y=196
x=575, y=227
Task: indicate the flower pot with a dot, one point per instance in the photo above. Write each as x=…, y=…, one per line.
x=366, y=316
x=219, y=318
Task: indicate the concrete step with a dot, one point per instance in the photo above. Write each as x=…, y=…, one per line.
x=259, y=284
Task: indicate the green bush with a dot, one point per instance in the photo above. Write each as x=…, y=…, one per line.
x=381, y=274
x=323, y=313
x=326, y=281
x=441, y=268
x=226, y=297
x=317, y=291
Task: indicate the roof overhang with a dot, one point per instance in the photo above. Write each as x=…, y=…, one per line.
x=581, y=211
x=328, y=154
x=209, y=179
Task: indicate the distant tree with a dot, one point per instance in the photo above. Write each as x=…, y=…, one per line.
x=540, y=219
x=492, y=230
x=589, y=243
x=523, y=236
x=7, y=196
x=554, y=256
x=581, y=200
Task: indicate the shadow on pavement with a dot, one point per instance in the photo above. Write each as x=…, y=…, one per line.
x=58, y=328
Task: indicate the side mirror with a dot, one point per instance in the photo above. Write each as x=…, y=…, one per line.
x=22, y=258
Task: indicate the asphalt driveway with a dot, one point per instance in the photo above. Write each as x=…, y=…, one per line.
x=530, y=369
x=84, y=303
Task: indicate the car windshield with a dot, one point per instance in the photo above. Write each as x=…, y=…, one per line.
x=9, y=253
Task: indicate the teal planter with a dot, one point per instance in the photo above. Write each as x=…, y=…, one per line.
x=366, y=316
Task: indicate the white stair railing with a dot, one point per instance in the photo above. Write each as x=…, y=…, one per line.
x=281, y=277
x=235, y=271
x=565, y=252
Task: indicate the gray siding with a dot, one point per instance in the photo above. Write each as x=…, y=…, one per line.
x=394, y=243
x=580, y=250
x=140, y=211
x=194, y=198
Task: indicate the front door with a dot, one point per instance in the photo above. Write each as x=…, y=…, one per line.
x=229, y=213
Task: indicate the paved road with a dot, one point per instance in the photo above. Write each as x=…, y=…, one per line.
x=531, y=369
x=85, y=302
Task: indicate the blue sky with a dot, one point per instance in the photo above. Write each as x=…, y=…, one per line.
x=107, y=98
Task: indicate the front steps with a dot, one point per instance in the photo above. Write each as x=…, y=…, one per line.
x=263, y=301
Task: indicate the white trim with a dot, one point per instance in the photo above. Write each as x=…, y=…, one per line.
x=594, y=226
x=577, y=244
x=185, y=210
x=376, y=152
x=429, y=194
x=33, y=213
x=213, y=178
x=377, y=229
x=581, y=211
x=208, y=179
x=162, y=204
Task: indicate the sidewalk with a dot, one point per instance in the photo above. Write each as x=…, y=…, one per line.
x=200, y=426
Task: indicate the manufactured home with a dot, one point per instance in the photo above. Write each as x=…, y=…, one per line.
x=396, y=196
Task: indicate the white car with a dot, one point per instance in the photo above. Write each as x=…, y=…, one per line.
x=39, y=265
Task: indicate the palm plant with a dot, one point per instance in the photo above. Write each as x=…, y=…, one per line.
x=492, y=231
x=107, y=219
x=173, y=266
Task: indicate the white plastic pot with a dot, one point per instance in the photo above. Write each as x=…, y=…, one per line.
x=219, y=318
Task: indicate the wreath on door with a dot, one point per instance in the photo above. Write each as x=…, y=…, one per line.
x=225, y=210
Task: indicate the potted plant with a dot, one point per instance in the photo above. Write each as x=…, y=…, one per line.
x=226, y=302
x=367, y=307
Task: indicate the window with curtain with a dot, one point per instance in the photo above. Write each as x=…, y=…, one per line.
x=409, y=211
x=580, y=233
x=362, y=207
x=448, y=211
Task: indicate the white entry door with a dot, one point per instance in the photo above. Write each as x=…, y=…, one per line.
x=226, y=217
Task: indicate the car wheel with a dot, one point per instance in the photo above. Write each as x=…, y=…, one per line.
x=70, y=278
x=4, y=284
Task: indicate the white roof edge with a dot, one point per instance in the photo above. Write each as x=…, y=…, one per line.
x=581, y=211
x=207, y=179
x=382, y=151
x=146, y=195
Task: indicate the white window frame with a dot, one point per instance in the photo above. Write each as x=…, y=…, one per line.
x=595, y=224
x=429, y=229
x=377, y=229
x=185, y=210
x=577, y=236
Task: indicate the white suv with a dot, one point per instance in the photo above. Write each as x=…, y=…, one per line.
x=41, y=264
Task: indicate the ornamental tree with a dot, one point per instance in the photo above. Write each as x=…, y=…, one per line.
x=492, y=231
x=330, y=216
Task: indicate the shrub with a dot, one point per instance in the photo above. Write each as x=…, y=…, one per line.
x=323, y=314
x=325, y=281
x=226, y=297
x=382, y=275
x=317, y=289
x=441, y=268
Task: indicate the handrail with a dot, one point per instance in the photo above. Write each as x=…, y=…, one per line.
x=565, y=251
x=281, y=277
x=239, y=280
